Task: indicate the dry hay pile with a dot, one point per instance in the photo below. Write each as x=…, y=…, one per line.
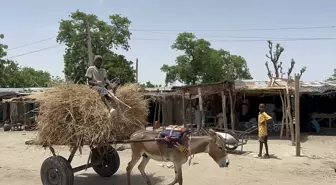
x=72, y=113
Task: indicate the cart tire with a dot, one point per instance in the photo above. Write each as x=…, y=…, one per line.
x=6, y=127
x=56, y=170
x=232, y=147
x=110, y=161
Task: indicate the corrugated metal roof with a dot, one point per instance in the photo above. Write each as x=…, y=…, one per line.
x=154, y=89
x=318, y=86
x=23, y=90
x=7, y=94
x=305, y=86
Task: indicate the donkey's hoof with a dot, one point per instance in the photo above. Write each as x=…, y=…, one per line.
x=149, y=183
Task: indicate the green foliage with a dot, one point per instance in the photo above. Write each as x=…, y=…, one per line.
x=333, y=76
x=3, y=47
x=105, y=37
x=202, y=64
x=14, y=76
x=149, y=85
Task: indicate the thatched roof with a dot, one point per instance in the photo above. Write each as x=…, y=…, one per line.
x=4, y=95
x=206, y=88
x=318, y=87
x=314, y=87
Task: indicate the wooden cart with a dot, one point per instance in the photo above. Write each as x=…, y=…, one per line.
x=105, y=161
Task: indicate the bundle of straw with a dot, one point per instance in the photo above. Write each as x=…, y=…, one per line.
x=71, y=113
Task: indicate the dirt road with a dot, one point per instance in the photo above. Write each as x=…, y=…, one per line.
x=20, y=165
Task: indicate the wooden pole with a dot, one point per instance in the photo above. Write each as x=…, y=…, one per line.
x=283, y=115
x=183, y=110
x=232, y=110
x=136, y=71
x=154, y=118
x=190, y=112
x=290, y=116
x=286, y=116
x=164, y=110
x=89, y=44
x=224, y=110
x=297, y=114
x=159, y=113
x=201, y=109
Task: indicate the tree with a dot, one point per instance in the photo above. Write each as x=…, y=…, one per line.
x=13, y=76
x=149, y=85
x=105, y=36
x=333, y=76
x=201, y=63
x=274, y=56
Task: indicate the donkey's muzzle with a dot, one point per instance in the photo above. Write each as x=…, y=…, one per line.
x=225, y=164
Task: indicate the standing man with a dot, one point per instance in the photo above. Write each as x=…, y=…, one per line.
x=262, y=130
x=97, y=80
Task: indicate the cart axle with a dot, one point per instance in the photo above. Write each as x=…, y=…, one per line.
x=86, y=166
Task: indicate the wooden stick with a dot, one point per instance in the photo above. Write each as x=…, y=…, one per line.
x=32, y=142
x=164, y=110
x=190, y=111
x=155, y=109
x=232, y=110
x=283, y=115
x=290, y=117
x=141, y=141
x=224, y=110
x=183, y=110
x=297, y=114
x=116, y=98
x=286, y=116
x=159, y=113
x=201, y=108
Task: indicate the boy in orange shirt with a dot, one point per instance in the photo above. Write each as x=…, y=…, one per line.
x=263, y=117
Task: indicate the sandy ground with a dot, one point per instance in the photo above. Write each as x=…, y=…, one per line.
x=20, y=165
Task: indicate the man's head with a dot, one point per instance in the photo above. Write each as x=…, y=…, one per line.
x=98, y=61
x=262, y=107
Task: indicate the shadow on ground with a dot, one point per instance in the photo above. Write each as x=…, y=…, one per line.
x=118, y=179
x=238, y=152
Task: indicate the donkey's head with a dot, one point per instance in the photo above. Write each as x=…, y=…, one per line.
x=217, y=149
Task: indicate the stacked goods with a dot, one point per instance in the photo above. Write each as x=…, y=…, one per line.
x=73, y=113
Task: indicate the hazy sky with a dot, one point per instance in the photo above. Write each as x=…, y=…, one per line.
x=25, y=22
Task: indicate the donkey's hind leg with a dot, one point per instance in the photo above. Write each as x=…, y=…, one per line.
x=131, y=164
x=142, y=166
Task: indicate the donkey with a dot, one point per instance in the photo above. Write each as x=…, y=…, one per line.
x=212, y=144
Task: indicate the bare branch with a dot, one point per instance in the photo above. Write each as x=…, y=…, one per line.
x=274, y=57
x=269, y=73
x=303, y=69
x=270, y=46
x=281, y=70
x=290, y=69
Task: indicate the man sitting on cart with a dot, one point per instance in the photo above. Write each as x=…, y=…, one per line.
x=98, y=81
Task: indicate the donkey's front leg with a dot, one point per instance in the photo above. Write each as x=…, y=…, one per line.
x=179, y=175
x=176, y=175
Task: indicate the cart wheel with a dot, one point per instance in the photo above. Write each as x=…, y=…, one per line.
x=56, y=170
x=109, y=158
x=6, y=127
x=232, y=147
